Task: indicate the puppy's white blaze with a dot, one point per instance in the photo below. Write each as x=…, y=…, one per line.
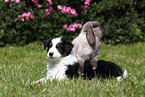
x=125, y=75
x=53, y=49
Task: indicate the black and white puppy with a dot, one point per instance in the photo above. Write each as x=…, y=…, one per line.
x=60, y=55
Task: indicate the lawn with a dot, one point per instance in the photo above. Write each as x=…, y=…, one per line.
x=20, y=65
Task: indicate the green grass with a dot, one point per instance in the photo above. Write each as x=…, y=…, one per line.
x=21, y=65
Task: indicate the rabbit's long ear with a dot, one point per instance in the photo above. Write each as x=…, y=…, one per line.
x=90, y=36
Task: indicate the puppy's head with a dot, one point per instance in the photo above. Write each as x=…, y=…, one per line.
x=57, y=47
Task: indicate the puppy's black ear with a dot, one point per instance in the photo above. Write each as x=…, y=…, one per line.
x=90, y=36
x=47, y=42
x=67, y=46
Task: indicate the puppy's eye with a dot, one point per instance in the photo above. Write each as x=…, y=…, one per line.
x=58, y=45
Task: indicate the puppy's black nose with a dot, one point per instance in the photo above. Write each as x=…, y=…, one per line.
x=51, y=54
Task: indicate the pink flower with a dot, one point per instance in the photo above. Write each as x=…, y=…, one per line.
x=68, y=8
x=38, y=6
x=19, y=16
x=12, y=0
x=75, y=14
x=85, y=6
x=24, y=15
x=29, y=13
x=6, y=0
x=65, y=26
x=31, y=17
x=23, y=19
x=49, y=0
x=64, y=7
x=35, y=1
x=87, y=2
x=17, y=1
x=59, y=7
x=73, y=11
x=70, y=26
x=50, y=3
x=71, y=29
x=48, y=11
x=75, y=25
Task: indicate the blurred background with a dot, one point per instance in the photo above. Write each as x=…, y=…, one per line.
x=123, y=19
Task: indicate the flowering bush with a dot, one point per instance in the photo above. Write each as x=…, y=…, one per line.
x=24, y=21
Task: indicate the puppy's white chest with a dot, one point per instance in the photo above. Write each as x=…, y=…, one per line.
x=57, y=72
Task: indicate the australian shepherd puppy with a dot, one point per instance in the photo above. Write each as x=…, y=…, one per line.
x=60, y=55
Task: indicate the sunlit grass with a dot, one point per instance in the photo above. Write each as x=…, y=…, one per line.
x=21, y=65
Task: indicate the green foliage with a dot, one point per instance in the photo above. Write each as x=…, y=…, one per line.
x=21, y=65
x=124, y=20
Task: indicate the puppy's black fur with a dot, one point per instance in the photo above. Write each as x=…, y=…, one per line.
x=72, y=72
x=88, y=70
x=105, y=69
x=47, y=43
x=65, y=47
